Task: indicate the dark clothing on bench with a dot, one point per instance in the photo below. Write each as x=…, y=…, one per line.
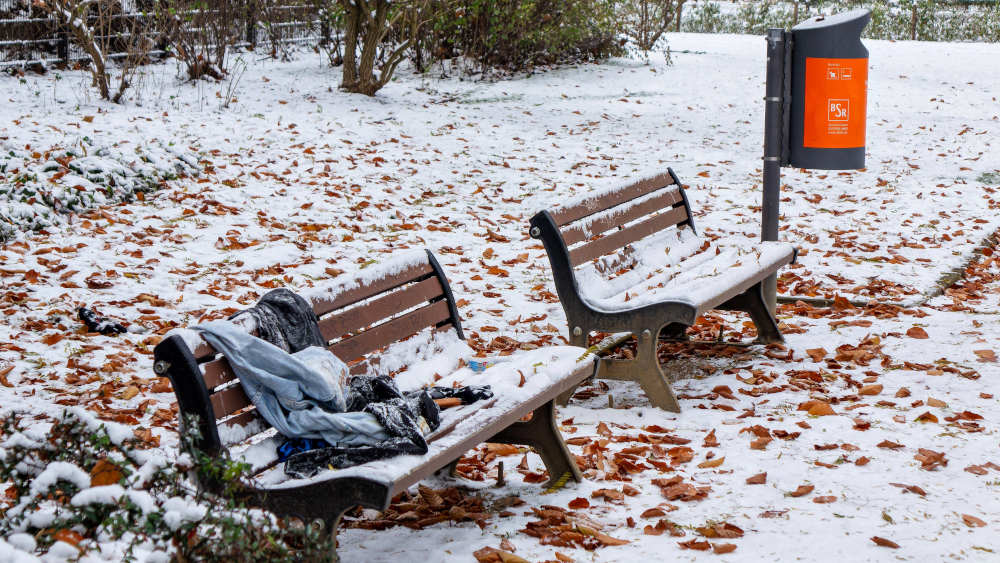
x=286, y=320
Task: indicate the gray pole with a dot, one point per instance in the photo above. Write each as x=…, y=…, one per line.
x=773, y=114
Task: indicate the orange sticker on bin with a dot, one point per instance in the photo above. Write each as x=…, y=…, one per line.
x=836, y=99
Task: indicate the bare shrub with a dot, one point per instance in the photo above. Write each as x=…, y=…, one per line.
x=100, y=27
x=201, y=32
x=645, y=21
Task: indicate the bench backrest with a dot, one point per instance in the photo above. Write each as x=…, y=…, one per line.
x=608, y=222
x=357, y=318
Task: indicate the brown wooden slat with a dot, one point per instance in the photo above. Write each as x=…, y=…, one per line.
x=370, y=313
x=577, y=233
x=391, y=331
x=356, y=294
x=204, y=350
x=245, y=418
x=610, y=199
x=218, y=372
x=619, y=239
x=229, y=400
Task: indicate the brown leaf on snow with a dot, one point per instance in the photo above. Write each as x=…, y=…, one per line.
x=723, y=530
x=902, y=393
x=861, y=461
x=910, y=488
x=972, y=522
x=889, y=445
x=824, y=499
x=578, y=503
x=841, y=303
x=758, y=479
x=494, y=555
x=712, y=463
x=695, y=544
x=932, y=402
x=927, y=417
x=802, y=491
x=917, y=332
x=817, y=408
x=710, y=440
x=929, y=459
x=760, y=443
x=884, y=542
x=977, y=470
x=817, y=354
x=986, y=355
x=873, y=389
x=723, y=548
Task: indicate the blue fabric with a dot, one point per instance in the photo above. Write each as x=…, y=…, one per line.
x=291, y=393
x=299, y=445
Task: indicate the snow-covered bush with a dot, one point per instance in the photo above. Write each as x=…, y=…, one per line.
x=924, y=20
x=39, y=189
x=79, y=486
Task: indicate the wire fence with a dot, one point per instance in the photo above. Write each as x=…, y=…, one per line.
x=28, y=36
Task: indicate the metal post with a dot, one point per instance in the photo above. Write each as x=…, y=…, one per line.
x=773, y=139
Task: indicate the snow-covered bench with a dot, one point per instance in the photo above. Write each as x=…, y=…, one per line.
x=397, y=319
x=629, y=259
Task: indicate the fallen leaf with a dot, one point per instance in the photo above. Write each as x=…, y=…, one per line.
x=104, y=473
x=824, y=499
x=817, y=354
x=578, y=503
x=889, y=445
x=884, y=542
x=932, y=402
x=758, y=479
x=712, y=463
x=722, y=548
x=873, y=389
x=701, y=545
x=917, y=332
x=927, y=417
x=802, y=491
x=972, y=522
x=986, y=355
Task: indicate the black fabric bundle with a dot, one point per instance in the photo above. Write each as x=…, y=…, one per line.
x=286, y=320
x=397, y=413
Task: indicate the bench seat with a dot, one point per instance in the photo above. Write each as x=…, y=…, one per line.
x=629, y=259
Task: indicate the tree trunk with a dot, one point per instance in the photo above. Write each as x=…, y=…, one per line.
x=351, y=33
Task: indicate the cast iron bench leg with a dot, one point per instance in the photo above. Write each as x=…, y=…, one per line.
x=652, y=379
x=542, y=434
x=752, y=301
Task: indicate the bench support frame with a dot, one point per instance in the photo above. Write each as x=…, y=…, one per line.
x=645, y=323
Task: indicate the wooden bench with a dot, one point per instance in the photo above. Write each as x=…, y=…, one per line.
x=629, y=259
x=401, y=319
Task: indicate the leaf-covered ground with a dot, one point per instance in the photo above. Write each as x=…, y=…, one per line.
x=873, y=427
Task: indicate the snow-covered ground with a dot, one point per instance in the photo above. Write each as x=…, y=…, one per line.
x=301, y=182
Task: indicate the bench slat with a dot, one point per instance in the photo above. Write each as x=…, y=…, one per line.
x=619, y=239
x=576, y=233
x=375, y=338
x=229, y=400
x=217, y=372
x=379, y=309
x=243, y=419
x=352, y=296
x=617, y=197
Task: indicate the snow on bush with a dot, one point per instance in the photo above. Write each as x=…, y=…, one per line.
x=39, y=189
x=78, y=485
